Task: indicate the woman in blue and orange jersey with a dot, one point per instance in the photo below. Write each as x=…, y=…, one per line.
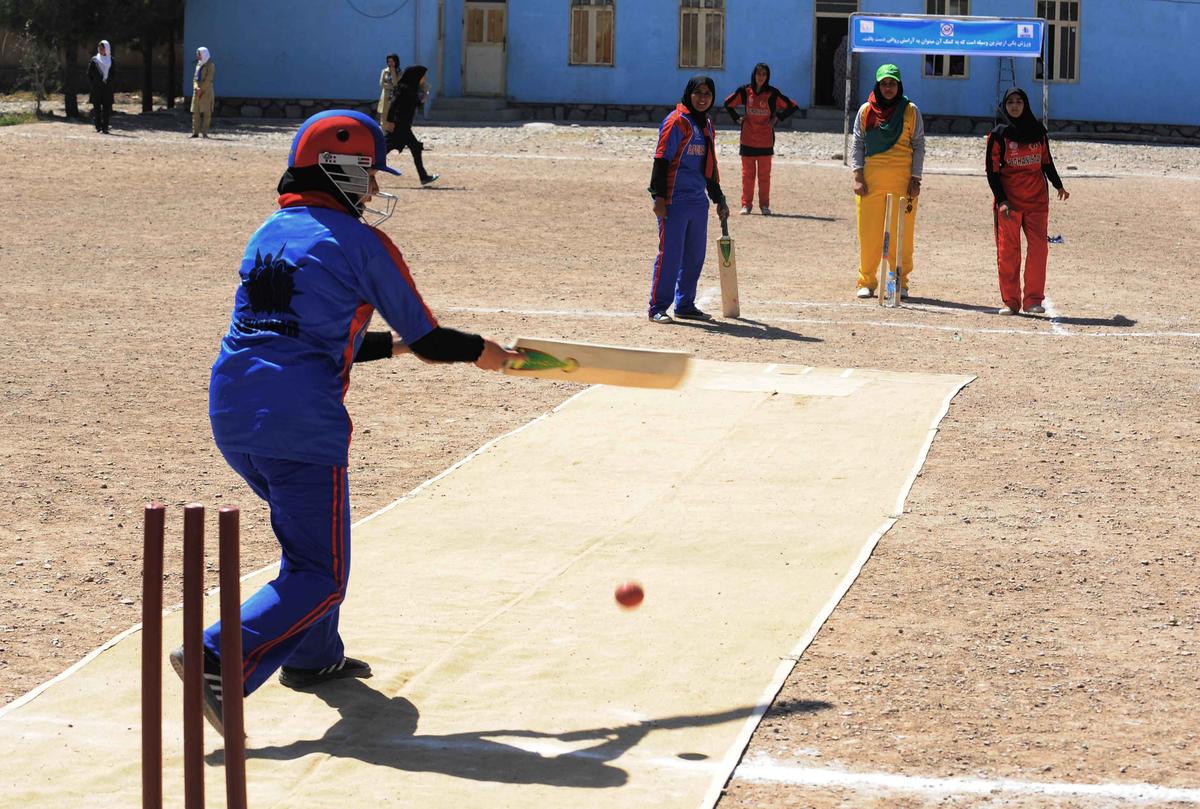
x=1018, y=165
x=765, y=106
x=685, y=171
x=311, y=278
x=888, y=158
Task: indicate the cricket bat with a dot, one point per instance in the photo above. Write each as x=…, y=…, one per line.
x=591, y=364
x=730, y=307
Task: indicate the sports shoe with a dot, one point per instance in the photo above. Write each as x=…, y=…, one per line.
x=764, y=210
x=430, y=179
x=211, y=688
x=660, y=317
x=864, y=292
x=1035, y=310
x=745, y=210
x=1006, y=310
x=693, y=314
x=311, y=678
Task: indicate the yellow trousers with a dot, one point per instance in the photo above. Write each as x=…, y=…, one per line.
x=882, y=181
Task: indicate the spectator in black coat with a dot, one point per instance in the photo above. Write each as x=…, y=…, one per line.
x=100, y=75
x=411, y=90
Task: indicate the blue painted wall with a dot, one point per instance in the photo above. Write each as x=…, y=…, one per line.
x=1135, y=57
x=646, y=54
x=306, y=49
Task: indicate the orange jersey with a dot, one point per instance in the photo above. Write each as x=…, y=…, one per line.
x=1021, y=169
x=763, y=109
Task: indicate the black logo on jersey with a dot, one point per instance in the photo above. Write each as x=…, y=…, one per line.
x=270, y=286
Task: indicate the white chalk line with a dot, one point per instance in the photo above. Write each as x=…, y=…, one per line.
x=883, y=324
x=1053, y=316
x=764, y=770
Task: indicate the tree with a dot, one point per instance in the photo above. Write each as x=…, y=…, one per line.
x=38, y=66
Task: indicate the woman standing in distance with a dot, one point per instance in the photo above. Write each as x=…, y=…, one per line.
x=1018, y=165
x=765, y=107
x=389, y=77
x=685, y=170
x=202, y=92
x=100, y=75
x=888, y=158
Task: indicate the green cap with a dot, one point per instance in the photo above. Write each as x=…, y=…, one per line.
x=887, y=72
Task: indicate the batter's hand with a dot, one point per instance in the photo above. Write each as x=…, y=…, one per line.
x=860, y=184
x=914, y=187
x=494, y=356
x=660, y=207
x=723, y=212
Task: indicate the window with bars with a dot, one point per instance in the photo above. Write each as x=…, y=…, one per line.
x=946, y=66
x=1061, y=48
x=702, y=33
x=592, y=32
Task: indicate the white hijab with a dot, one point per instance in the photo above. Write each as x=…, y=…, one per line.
x=204, y=56
x=104, y=61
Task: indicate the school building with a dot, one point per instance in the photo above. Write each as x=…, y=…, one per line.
x=1111, y=66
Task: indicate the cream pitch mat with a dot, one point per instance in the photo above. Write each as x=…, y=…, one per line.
x=505, y=673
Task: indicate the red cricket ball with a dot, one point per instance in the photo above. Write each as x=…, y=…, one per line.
x=629, y=594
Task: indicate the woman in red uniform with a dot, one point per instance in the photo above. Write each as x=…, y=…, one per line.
x=765, y=106
x=1018, y=165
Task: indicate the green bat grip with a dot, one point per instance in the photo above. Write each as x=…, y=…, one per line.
x=532, y=360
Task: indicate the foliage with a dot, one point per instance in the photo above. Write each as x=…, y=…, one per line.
x=13, y=118
x=38, y=67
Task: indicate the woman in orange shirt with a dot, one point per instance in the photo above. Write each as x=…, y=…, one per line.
x=1018, y=165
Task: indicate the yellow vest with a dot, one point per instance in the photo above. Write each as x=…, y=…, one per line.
x=900, y=155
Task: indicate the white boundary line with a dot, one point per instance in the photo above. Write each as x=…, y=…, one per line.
x=92, y=655
x=1053, y=316
x=729, y=764
x=766, y=771
x=592, y=313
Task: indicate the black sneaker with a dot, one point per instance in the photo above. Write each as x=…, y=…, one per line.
x=660, y=317
x=212, y=686
x=693, y=314
x=430, y=179
x=310, y=678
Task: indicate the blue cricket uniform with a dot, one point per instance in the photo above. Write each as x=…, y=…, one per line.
x=311, y=278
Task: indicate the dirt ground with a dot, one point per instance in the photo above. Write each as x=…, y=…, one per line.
x=1032, y=616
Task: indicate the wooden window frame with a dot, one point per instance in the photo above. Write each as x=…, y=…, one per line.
x=706, y=19
x=1058, y=33
x=942, y=62
x=592, y=11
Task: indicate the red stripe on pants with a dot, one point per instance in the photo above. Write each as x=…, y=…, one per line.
x=1008, y=256
x=759, y=165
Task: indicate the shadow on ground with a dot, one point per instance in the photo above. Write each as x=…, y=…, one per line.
x=382, y=731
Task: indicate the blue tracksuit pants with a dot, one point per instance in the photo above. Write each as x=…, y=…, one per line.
x=293, y=619
x=682, y=240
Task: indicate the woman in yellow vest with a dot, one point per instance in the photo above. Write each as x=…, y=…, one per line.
x=888, y=158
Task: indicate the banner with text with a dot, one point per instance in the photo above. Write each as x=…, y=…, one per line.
x=944, y=35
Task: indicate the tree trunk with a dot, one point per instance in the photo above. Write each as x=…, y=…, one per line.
x=171, y=67
x=70, y=77
x=147, y=71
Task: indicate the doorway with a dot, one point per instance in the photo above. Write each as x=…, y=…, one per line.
x=831, y=24
x=485, y=46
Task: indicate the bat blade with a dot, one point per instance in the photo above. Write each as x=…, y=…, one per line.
x=727, y=261
x=592, y=364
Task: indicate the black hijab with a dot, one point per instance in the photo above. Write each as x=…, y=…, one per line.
x=1024, y=129
x=412, y=75
x=766, y=83
x=701, y=118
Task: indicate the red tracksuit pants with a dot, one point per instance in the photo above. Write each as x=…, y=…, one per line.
x=761, y=166
x=1008, y=256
